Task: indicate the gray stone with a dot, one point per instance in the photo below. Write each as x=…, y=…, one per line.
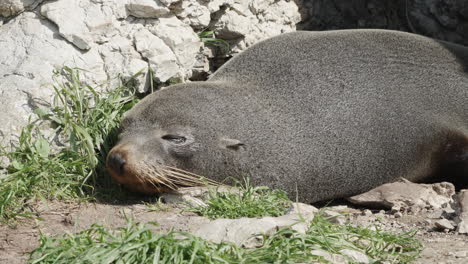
x=355, y=256
x=245, y=231
x=13, y=7
x=327, y=256
x=367, y=212
x=162, y=60
x=444, y=224
x=407, y=195
x=147, y=8
x=334, y=217
x=459, y=254
x=462, y=211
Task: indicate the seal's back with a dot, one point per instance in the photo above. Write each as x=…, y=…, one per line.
x=356, y=108
x=321, y=115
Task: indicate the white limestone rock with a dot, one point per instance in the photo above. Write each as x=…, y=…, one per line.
x=246, y=231
x=242, y=22
x=30, y=54
x=182, y=41
x=147, y=8
x=13, y=7
x=111, y=38
x=122, y=60
x=162, y=60
x=248, y=22
x=81, y=22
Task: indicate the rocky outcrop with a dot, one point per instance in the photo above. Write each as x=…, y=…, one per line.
x=111, y=39
x=441, y=19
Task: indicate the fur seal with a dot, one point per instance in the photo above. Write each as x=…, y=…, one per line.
x=321, y=115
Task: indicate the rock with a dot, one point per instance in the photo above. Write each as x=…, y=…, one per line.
x=407, y=195
x=367, y=212
x=439, y=19
x=121, y=59
x=80, y=22
x=355, y=256
x=116, y=39
x=459, y=254
x=147, y=8
x=334, y=217
x=436, y=214
x=13, y=7
x=197, y=14
x=329, y=257
x=245, y=231
x=305, y=211
x=247, y=22
x=444, y=224
x=30, y=53
x=462, y=211
x=160, y=57
x=182, y=41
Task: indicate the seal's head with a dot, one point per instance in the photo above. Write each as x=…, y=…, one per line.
x=169, y=138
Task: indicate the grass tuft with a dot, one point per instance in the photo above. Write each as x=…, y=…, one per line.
x=86, y=122
x=250, y=201
x=208, y=37
x=136, y=243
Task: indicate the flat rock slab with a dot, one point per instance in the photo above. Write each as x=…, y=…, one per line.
x=411, y=197
x=247, y=232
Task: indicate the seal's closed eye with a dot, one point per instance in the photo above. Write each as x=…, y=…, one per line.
x=175, y=139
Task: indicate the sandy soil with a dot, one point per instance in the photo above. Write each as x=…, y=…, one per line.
x=57, y=218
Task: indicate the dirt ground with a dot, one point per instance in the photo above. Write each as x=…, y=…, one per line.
x=56, y=218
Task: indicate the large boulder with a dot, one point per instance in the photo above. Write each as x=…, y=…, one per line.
x=111, y=39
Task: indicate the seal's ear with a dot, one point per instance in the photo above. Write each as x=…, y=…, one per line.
x=231, y=143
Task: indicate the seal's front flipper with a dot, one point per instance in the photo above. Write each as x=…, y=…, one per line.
x=454, y=161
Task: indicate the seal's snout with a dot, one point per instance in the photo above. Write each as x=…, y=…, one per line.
x=116, y=162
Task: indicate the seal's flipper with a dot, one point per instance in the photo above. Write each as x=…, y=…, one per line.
x=453, y=161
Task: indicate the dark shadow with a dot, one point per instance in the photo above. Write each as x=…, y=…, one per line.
x=460, y=52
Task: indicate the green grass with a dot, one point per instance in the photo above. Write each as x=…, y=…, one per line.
x=208, y=37
x=86, y=123
x=136, y=243
x=250, y=201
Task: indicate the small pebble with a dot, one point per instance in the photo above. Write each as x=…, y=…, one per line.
x=444, y=224
x=367, y=212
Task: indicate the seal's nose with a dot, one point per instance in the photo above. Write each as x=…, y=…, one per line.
x=116, y=162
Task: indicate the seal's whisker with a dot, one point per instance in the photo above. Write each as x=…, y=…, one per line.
x=182, y=171
x=160, y=176
x=148, y=177
x=199, y=179
x=190, y=177
x=181, y=179
x=186, y=182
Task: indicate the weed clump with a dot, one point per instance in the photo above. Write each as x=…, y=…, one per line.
x=85, y=121
x=250, y=201
x=136, y=243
